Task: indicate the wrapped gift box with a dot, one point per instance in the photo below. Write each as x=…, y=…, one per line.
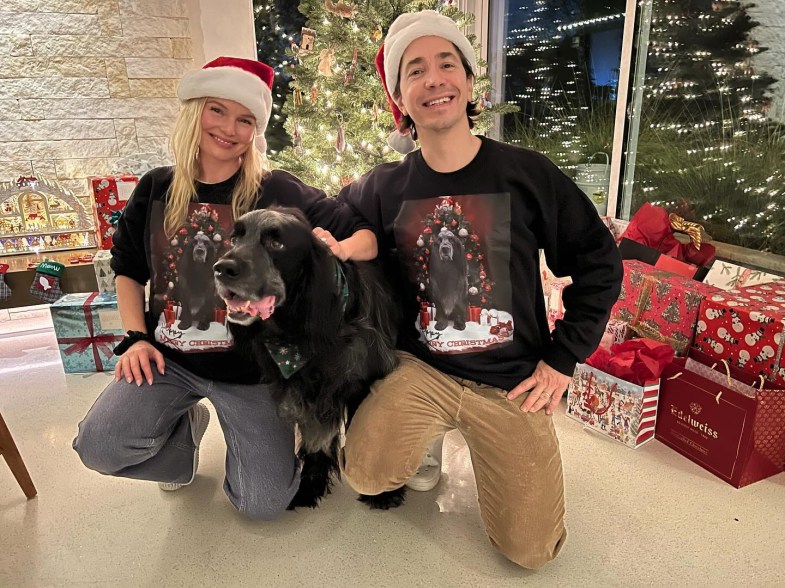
x=660, y=305
x=555, y=302
x=615, y=332
x=745, y=327
x=729, y=276
x=110, y=195
x=87, y=327
x=103, y=272
x=616, y=226
x=619, y=409
x=547, y=276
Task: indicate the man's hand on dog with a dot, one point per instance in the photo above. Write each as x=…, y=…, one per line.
x=334, y=245
x=134, y=364
x=545, y=386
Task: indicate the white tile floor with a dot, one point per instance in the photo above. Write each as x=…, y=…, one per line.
x=645, y=517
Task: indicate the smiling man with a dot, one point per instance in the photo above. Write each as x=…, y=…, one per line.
x=460, y=223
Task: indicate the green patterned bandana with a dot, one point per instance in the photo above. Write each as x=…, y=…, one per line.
x=288, y=357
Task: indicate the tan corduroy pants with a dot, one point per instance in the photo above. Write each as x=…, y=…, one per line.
x=515, y=455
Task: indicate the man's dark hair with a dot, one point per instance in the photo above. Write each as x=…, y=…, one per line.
x=473, y=109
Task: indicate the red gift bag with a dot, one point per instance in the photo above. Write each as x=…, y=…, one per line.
x=722, y=419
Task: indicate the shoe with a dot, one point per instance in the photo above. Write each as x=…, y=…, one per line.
x=430, y=471
x=199, y=417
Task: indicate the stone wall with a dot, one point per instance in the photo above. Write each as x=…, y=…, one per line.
x=85, y=82
x=771, y=33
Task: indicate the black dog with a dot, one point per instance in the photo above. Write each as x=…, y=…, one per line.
x=448, y=280
x=331, y=335
x=195, y=286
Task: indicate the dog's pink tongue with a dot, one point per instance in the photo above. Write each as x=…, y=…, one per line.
x=265, y=307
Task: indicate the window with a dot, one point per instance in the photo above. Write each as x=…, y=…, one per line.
x=560, y=63
x=706, y=138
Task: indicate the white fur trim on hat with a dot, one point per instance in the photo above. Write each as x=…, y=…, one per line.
x=231, y=83
x=413, y=25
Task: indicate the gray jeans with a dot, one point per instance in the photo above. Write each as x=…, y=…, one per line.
x=143, y=432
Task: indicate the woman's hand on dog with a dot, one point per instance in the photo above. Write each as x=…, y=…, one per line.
x=134, y=364
x=545, y=386
x=333, y=245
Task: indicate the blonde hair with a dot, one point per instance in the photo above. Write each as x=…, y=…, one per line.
x=185, y=147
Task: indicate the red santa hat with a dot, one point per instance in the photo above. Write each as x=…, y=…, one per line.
x=406, y=28
x=245, y=81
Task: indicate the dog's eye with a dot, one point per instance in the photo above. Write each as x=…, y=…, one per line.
x=274, y=245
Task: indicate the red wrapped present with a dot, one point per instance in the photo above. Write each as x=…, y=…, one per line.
x=654, y=227
x=110, y=195
x=660, y=305
x=746, y=327
x=723, y=419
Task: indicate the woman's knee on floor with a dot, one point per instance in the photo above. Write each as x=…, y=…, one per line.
x=265, y=499
x=99, y=447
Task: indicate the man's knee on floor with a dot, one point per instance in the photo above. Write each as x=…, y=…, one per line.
x=365, y=478
x=528, y=553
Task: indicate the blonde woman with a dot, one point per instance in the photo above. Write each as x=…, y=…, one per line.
x=148, y=423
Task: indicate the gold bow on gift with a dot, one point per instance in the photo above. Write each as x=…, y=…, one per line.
x=694, y=230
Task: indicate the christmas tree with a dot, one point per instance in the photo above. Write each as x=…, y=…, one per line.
x=706, y=148
x=277, y=24
x=337, y=113
x=565, y=112
x=699, y=70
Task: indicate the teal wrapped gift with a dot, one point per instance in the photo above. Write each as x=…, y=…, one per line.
x=87, y=327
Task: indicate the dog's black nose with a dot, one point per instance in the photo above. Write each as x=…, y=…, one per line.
x=227, y=268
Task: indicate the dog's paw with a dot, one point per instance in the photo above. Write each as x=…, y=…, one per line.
x=385, y=500
x=304, y=500
x=312, y=490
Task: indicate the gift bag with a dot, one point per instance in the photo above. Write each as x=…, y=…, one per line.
x=722, y=419
x=616, y=392
x=616, y=408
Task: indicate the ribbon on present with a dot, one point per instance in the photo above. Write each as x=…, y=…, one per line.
x=652, y=226
x=99, y=343
x=114, y=218
x=693, y=230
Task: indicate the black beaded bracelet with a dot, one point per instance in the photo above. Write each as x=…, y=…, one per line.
x=131, y=337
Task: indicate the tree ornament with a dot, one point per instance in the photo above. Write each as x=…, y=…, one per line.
x=299, y=150
x=326, y=62
x=340, y=139
x=342, y=9
x=314, y=94
x=307, y=40
x=349, y=75
x=377, y=33
x=298, y=97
